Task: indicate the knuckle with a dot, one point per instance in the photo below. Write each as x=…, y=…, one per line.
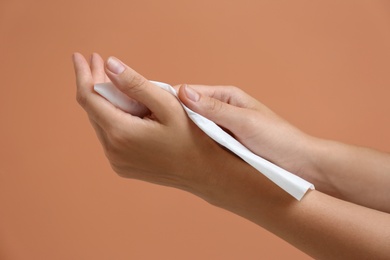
x=215, y=106
x=232, y=89
x=135, y=82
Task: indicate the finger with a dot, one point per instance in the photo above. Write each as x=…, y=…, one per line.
x=161, y=103
x=97, y=68
x=99, y=75
x=106, y=79
x=227, y=94
x=222, y=113
x=100, y=110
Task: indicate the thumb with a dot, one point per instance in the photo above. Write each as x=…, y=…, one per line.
x=160, y=102
x=221, y=113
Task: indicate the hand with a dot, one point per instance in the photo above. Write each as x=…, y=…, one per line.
x=163, y=146
x=355, y=174
x=252, y=124
x=159, y=144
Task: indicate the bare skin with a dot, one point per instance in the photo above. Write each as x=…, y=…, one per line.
x=323, y=226
x=356, y=174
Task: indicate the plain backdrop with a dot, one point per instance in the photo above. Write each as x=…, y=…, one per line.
x=322, y=65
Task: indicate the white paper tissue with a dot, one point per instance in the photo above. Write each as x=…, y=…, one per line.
x=292, y=184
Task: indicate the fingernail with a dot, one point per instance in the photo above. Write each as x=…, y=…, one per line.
x=191, y=93
x=115, y=66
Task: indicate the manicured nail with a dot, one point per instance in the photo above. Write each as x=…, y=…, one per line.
x=115, y=66
x=191, y=93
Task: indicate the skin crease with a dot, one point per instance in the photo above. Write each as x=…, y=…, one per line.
x=323, y=226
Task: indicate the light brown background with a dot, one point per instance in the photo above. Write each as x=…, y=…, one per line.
x=322, y=66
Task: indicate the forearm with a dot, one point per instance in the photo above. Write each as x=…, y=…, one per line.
x=322, y=226
x=356, y=174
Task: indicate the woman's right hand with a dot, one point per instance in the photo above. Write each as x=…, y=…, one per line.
x=355, y=174
x=254, y=125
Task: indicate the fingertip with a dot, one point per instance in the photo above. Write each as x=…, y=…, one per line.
x=193, y=99
x=190, y=93
x=82, y=70
x=115, y=66
x=180, y=91
x=75, y=56
x=97, y=68
x=78, y=55
x=184, y=97
x=96, y=56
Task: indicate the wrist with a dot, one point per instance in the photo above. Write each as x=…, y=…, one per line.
x=234, y=185
x=318, y=152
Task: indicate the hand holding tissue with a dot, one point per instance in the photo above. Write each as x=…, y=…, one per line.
x=292, y=184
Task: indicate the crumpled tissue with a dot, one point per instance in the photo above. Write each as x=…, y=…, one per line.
x=291, y=183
